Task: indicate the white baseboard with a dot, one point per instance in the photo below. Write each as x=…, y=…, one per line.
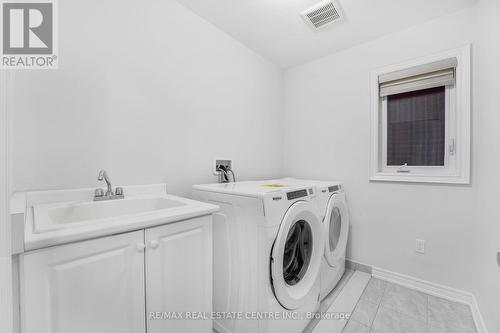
x=434, y=289
x=358, y=266
x=478, y=318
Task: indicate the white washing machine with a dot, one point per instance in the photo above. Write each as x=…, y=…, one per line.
x=268, y=244
x=334, y=213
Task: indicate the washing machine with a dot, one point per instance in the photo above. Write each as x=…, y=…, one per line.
x=268, y=243
x=332, y=208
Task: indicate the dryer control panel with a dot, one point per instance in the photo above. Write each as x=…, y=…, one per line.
x=334, y=188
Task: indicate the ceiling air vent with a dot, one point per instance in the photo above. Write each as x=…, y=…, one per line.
x=324, y=13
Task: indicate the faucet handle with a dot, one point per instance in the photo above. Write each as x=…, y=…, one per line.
x=99, y=192
x=119, y=191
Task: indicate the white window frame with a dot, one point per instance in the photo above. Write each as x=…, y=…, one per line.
x=456, y=169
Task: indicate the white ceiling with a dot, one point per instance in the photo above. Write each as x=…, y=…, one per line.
x=274, y=28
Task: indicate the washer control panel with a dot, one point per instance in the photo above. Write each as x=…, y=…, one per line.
x=299, y=194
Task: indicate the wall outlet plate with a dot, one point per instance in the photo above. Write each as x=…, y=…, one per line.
x=227, y=162
x=420, y=246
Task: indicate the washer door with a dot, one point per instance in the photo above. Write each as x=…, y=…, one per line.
x=296, y=255
x=336, y=225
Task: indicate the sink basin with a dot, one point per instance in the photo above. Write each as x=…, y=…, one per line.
x=105, y=209
x=65, y=216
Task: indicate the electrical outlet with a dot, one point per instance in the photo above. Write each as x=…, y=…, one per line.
x=420, y=246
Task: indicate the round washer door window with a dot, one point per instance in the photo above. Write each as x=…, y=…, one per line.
x=296, y=255
x=334, y=228
x=337, y=228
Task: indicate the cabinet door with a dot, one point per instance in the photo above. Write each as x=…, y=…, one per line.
x=179, y=276
x=94, y=286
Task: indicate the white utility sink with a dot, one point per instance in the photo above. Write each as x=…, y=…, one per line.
x=64, y=215
x=57, y=217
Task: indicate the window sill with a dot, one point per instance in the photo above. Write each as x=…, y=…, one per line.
x=419, y=178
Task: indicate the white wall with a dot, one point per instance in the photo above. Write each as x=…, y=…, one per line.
x=156, y=102
x=488, y=162
x=327, y=101
x=149, y=93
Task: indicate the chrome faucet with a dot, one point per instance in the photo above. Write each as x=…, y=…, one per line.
x=104, y=175
x=109, y=195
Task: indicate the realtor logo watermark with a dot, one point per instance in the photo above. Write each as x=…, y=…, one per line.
x=29, y=35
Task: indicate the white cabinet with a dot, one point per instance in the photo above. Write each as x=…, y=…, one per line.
x=93, y=286
x=109, y=285
x=179, y=275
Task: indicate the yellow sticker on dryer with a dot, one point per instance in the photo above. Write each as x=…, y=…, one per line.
x=274, y=185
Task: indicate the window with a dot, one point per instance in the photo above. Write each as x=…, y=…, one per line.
x=421, y=120
x=416, y=128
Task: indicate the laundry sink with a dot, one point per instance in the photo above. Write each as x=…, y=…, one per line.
x=53, y=220
x=57, y=216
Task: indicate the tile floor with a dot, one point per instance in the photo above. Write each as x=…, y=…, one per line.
x=390, y=308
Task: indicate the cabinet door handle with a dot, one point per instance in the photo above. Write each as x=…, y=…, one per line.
x=141, y=247
x=154, y=244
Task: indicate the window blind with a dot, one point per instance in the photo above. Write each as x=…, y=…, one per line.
x=435, y=74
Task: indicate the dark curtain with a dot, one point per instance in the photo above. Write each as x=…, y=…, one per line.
x=416, y=128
